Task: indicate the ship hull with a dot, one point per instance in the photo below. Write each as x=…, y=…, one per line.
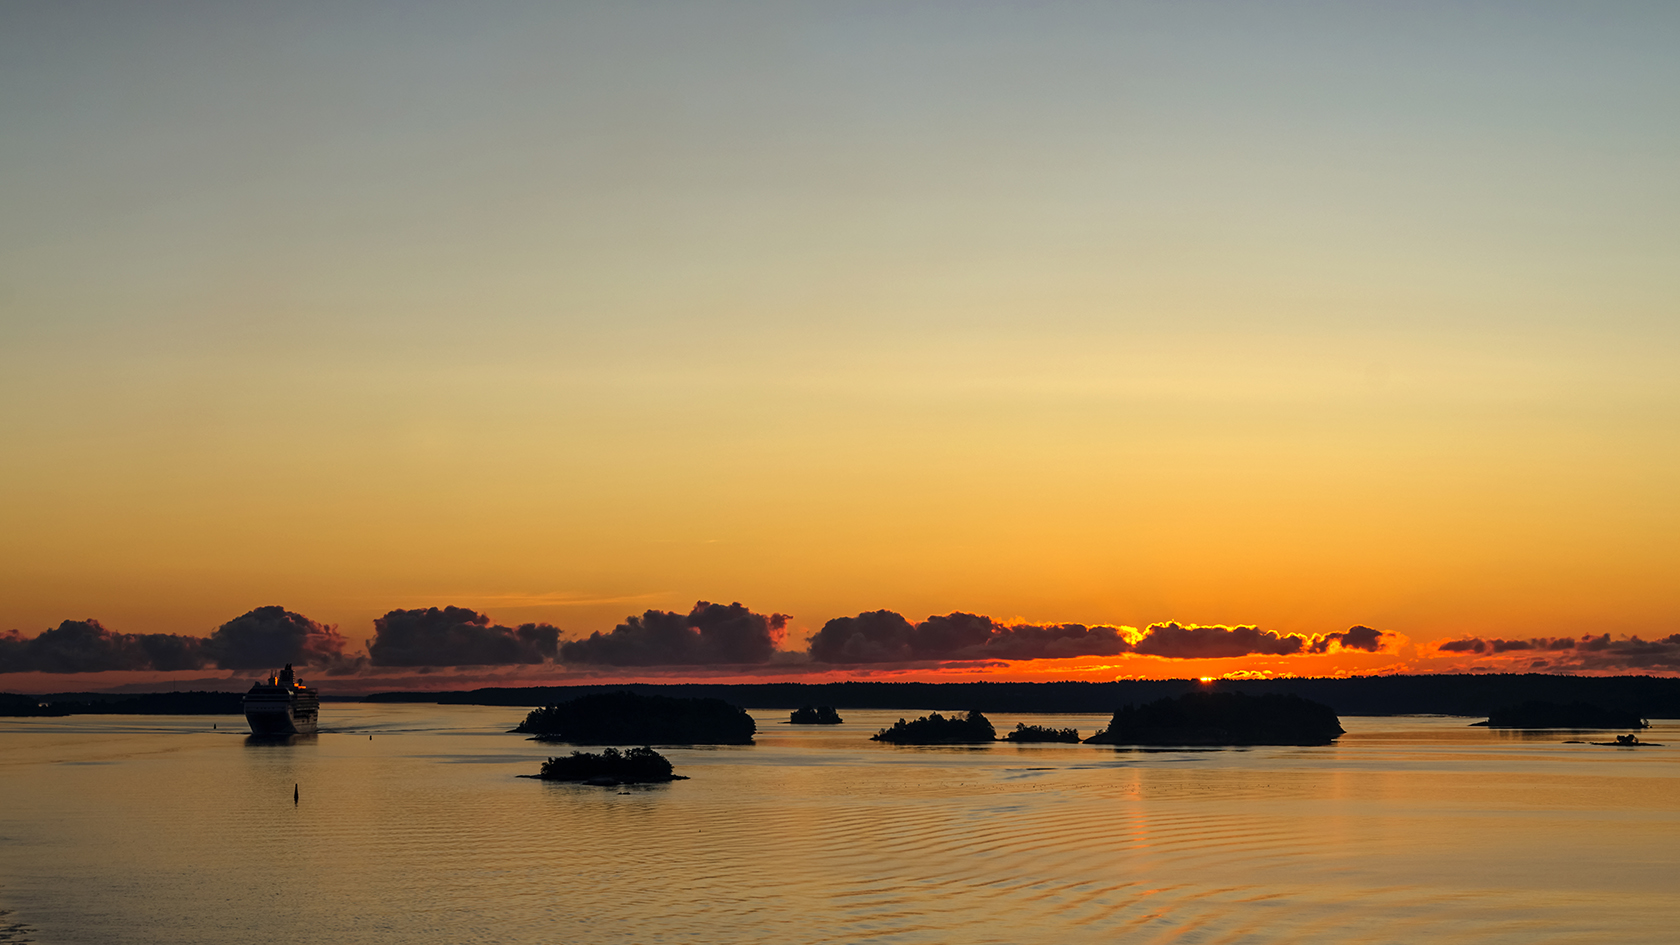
x=280, y=720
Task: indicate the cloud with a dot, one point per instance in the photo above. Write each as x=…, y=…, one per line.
x=261, y=639
x=876, y=636
x=945, y=637
x=1356, y=638
x=1178, y=642
x=1172, y=641
x=456, y=636
x=269, y=637
x=85, y=646
x=1469, y=645
x=881, y=636
x=1629, y=653
x=708, y=634
x=1569, y=653
x=170, y=652
x=1054, y=641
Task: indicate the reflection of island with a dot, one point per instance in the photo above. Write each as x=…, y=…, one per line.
x=1535, y=714
x=1630, y=741
x=1222, y=718
x=636, y=766
x=936, y=729
x=625, y=718
x=815, y=715
x=1038, y=733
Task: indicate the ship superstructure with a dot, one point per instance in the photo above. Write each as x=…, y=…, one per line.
x=282, y=705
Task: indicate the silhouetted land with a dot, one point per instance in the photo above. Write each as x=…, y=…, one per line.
x=15, y=705
x=636, y=766
x=1624, y=741
x=1039, y=733
x=1471, y=694
x=100, y=703
x=628, y=718
x=815, y=715
x=937, y=729
x=1476, y=695
x=1578, y=715
x=1222, y=718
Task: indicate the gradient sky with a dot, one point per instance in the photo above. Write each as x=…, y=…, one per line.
x=1299, y=315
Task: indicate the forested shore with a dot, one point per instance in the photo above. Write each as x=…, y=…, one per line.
x=1470, y=695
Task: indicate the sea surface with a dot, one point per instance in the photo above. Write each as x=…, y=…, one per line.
x=411, y=826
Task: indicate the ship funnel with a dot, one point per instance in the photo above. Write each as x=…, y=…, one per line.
x=286, y=676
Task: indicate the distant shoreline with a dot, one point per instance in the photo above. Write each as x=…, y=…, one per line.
x=1467, y=695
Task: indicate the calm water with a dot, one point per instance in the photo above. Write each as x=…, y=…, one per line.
x=159, y=830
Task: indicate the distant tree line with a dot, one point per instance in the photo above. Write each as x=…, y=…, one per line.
x=1470, y=694
x=1475, y=695
x=149, y=703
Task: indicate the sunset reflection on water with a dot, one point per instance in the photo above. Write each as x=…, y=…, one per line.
x=155, y=829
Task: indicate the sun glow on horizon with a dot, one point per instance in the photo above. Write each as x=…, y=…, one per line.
x=846, y=310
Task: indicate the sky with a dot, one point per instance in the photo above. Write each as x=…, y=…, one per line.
x=1299, y=317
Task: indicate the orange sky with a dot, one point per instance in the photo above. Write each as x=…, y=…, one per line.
x=1103, y=315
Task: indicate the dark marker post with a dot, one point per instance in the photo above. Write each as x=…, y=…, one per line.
x=294, y=795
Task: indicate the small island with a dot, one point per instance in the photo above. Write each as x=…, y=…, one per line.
x=815, y=715
x=1222, y=719
x=936, y=729
x=1039, y=733
x=1576, y=715
x=610, y=767
x=625, y=718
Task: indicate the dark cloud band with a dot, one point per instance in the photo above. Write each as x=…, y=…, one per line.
x=882, y=636
x=269, y=637
x=264, y=638
x=1571, y=653
x=709, y=634
x=85, y=646
x=456, y=636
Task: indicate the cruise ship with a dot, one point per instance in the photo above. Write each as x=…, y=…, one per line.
x=282, y=705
